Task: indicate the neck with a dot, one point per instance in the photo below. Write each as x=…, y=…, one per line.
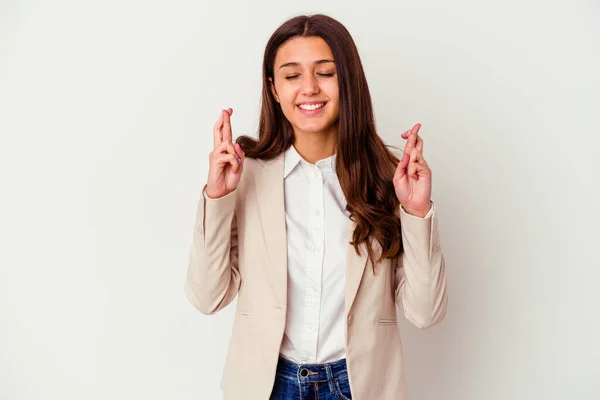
x=315, y=146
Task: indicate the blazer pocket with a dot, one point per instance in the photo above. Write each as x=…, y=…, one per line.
x=245, y=313
x=388, y=321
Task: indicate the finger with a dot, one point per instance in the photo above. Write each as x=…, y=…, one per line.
x=241, y=156
x=230, y=149
x=231, y=159
x=420, y=144
x=227, y=127
x=418, y=166
x=414, y=134
x=412, y=166
x=217, y=130
x=422, y=170
x=401, y=170
x=412, y=139
x=240, y=153
x=225, y=148
x=221, y=148
x=417, y=157
x=416, y=162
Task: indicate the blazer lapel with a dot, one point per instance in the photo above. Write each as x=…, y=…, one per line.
x=355, y=266
x=269, y=189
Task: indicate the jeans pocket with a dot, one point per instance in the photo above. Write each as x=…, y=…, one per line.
x=343, y=389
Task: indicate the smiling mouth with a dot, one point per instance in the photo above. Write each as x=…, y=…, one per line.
x=311, y=107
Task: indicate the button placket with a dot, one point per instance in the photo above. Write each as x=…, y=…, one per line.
x=312, y=297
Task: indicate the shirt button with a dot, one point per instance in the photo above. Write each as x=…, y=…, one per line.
x=311, y=329
x=318, y=212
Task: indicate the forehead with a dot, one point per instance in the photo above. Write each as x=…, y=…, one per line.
x=304, y=50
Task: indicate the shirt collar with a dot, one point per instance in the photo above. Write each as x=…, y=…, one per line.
x=292, y=158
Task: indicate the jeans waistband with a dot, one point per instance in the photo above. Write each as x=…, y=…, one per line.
x=312, y=372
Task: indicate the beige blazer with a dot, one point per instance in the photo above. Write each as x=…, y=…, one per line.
x=239, y=248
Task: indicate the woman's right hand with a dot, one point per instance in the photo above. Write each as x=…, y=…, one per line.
x=226, y=161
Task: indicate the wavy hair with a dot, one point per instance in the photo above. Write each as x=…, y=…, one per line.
x=364, y=165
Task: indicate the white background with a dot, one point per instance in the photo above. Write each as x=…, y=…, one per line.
x=106, y=115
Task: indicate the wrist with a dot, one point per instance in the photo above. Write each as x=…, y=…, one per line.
x=217, y=195
x=417, y=212
x=213, y=195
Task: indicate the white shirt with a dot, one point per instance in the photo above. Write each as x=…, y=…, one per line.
x=317, y=224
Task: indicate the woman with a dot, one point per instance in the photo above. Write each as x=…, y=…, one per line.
x=318, y=229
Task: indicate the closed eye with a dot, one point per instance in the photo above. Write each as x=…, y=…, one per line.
x=290, y=77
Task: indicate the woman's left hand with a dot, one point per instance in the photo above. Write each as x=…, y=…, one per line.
x=412, y=179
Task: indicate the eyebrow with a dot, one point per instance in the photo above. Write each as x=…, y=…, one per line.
x=297, y=64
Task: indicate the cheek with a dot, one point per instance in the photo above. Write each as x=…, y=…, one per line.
x=285, y=89
x=287, y=105
x=290, y=102
x=333, y=91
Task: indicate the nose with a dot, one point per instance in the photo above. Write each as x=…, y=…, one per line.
x=309, y=85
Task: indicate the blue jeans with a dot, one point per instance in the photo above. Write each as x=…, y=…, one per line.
x=311, y=381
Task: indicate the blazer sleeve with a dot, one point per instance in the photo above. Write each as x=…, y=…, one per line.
x=213, y=278
x=420, y=284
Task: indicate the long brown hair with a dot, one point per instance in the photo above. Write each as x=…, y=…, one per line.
x=364, y=165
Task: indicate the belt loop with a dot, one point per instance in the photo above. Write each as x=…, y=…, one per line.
x=330, y=380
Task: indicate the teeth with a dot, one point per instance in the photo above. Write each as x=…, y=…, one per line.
x=310, y=107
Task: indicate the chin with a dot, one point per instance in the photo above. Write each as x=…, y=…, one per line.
x=314, y=128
